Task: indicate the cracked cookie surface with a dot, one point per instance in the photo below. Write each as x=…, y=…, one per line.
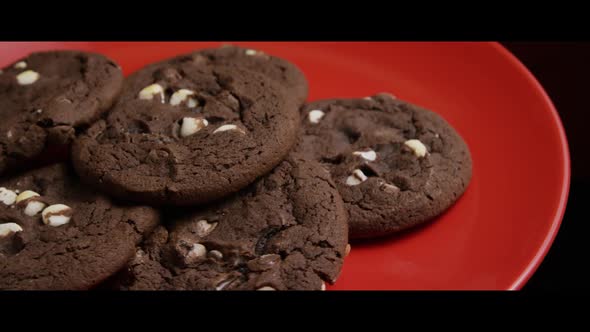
x=46, y=96
x=395, y=164
x=280, y=70
x=55, y=234
x=287, y=231
x=185, y=131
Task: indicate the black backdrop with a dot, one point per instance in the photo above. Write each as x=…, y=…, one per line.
x=564, y=71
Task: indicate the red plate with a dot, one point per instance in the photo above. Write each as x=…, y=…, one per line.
x=500, y=230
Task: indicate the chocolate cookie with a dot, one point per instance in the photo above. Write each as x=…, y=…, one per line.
x=46, y=96
x=56, y=234
x=186, y=132
x=287, y=231
x=395, y=164
x=280, y=70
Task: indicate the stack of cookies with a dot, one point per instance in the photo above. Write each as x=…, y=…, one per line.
x=207, y=171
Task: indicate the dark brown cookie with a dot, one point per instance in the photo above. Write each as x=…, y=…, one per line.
x=56, y=234
x=287, y=231
x=280, y=70
x=186, y=132
x=395, y=164
x=46, y=96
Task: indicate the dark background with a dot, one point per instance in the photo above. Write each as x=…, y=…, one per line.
x=564, y=71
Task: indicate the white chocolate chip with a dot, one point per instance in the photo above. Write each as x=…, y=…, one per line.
x=382, y=94
x=223, y=284
x=39, y=111
x=57, y=221
x=56, y=215
x=388, y=188
x=9, y=228
x=315, y=116
x=228, y=127
x=369, y=155
x=269, y=256
x=139, y=253
x=266, y=288
x=27, y=77
x=180, y=96
x=356, y=178
x=33, y=208
x=191, y=126
x=416, y=146
x=26, y=195
x=387, y=94
x=216, y=254
x=251, y=52
x=150, y=91
x=347, y=250
x=204, y=228
x=7, y=196
x=192, y=103
x=20, y=65
x=323, y=286
x=9, y=134
x=198, y=250
x=64, y=100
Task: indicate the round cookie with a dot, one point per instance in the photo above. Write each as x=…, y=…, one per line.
x=287, y=231
x=395, y=164
x=280, y=70
x=55, y=234
x=185, y=132
x=46, y=97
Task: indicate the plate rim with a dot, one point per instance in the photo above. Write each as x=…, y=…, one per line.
x=545, y=246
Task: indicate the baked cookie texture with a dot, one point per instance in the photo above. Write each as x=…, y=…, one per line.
x=395, y=164
x=287, y=231
x=46, y=97
x=57, y=234
x=187, y=131
x=287, y=74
